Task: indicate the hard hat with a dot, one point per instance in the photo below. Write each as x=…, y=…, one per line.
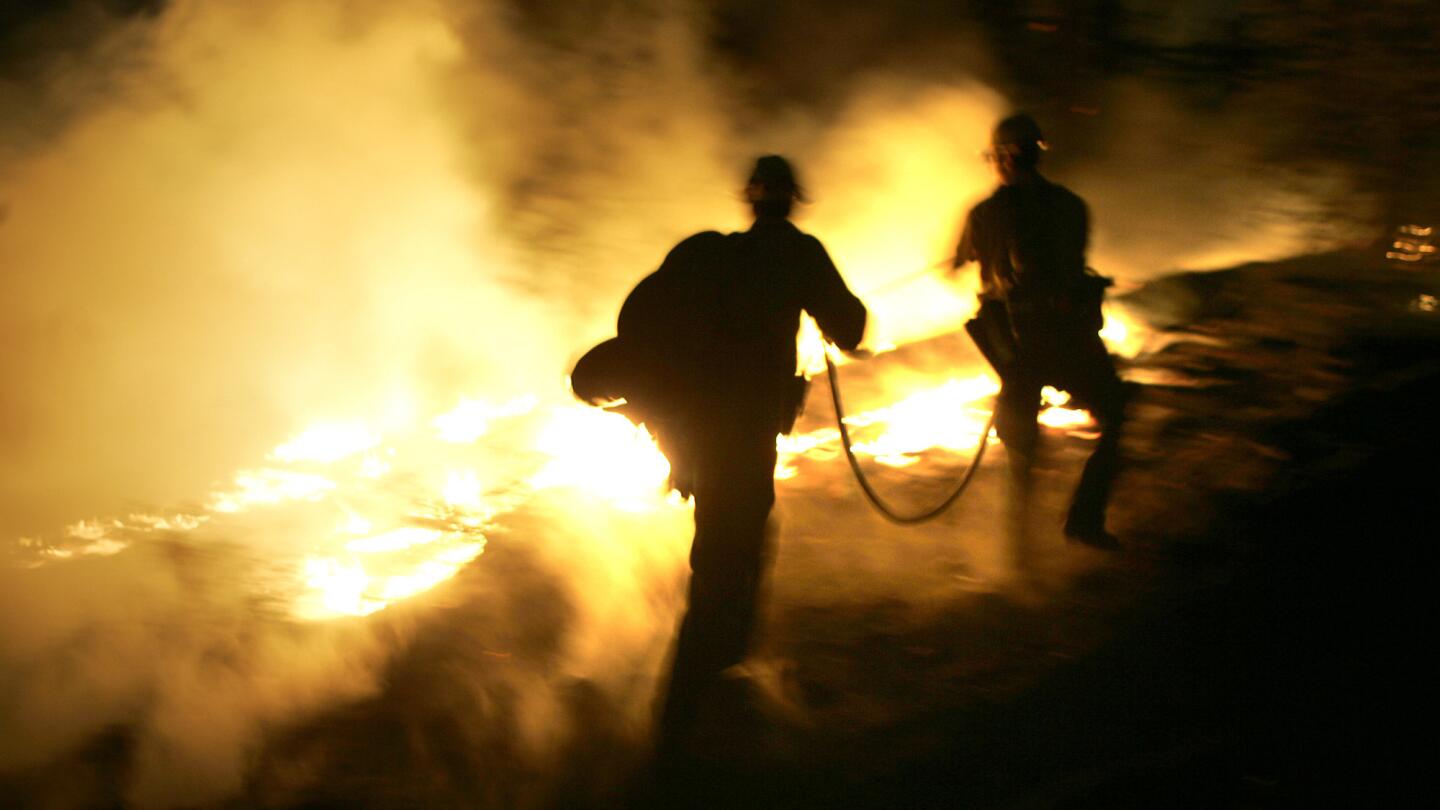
x=604, y=374
x=1018, y=131
x=773, y=179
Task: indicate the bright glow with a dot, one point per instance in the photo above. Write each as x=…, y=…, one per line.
x=429, y=574
x=327, y=442
x=950, y=417
x=462, y=489
x=394, y=540
x=373, y=466
x=178, y=522
x=1065, y=418
x=810, y=348
x=350, y=587
x=430, y=526
x=604, y=454
x=471, y=419
x=337, y=589
x=1123, y=334
x=1056, y=415
x=1054, y=397
x=356, y=525
x=799, y=444
x=270, y=486
x=892, y=192
x=103, y=548
x=86, y=530
x=374, y=511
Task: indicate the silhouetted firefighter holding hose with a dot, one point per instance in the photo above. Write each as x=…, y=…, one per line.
x=1039, y=323
x=706, y=358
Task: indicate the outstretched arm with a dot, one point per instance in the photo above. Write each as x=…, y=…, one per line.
x=838, y=312
x=965, y=251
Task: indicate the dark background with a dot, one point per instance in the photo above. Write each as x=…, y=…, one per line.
x=1315, y=81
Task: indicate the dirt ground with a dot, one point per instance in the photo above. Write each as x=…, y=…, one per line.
x=1258, y=642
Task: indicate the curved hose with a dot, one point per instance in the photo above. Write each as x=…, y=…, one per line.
x=874, y=497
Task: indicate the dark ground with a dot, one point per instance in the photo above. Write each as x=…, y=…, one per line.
x=1259, y=641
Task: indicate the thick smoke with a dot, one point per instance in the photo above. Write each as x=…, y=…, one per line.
x=1175, y=189
x=266, y=224
x=229, y=221
x=278, y=214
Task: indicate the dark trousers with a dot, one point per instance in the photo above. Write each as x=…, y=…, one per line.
x=734, y=491
x=1081, y=365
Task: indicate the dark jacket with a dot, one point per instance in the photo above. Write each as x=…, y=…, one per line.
x=717, y=322
x=1029, y=240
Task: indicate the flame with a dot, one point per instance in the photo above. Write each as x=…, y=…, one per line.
x=270, y=486
x=176, y=522
x=369, y=511
x=1413, y=244
x=394, y=540
x=86, y=530
x=811, y=348
x=395, y=513
x=336, y=589
x=948, y=417
x=1065, y=418
x=358, y=585
x=915, y=148
x=346, y=587
x=375, y=525
x=462, y=489
x=1056, y=415
x=429, y=574
x=327, y=442
x=603, y=454
x=471, y=419
x=356, y=524
x=403, y=518
x=1123, y=334
x=374, y=467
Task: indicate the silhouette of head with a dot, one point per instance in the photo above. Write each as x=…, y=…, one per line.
x=1015, y=146
x=772, y=189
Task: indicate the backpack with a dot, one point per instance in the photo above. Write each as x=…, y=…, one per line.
x=667, y=334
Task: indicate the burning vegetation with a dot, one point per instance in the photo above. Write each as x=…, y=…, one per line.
x=290, y=484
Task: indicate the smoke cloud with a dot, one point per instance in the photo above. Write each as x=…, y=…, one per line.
x=225, y=222
x=1175, y=189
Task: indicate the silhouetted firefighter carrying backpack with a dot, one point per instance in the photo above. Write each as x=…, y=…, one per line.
x=667, y=334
